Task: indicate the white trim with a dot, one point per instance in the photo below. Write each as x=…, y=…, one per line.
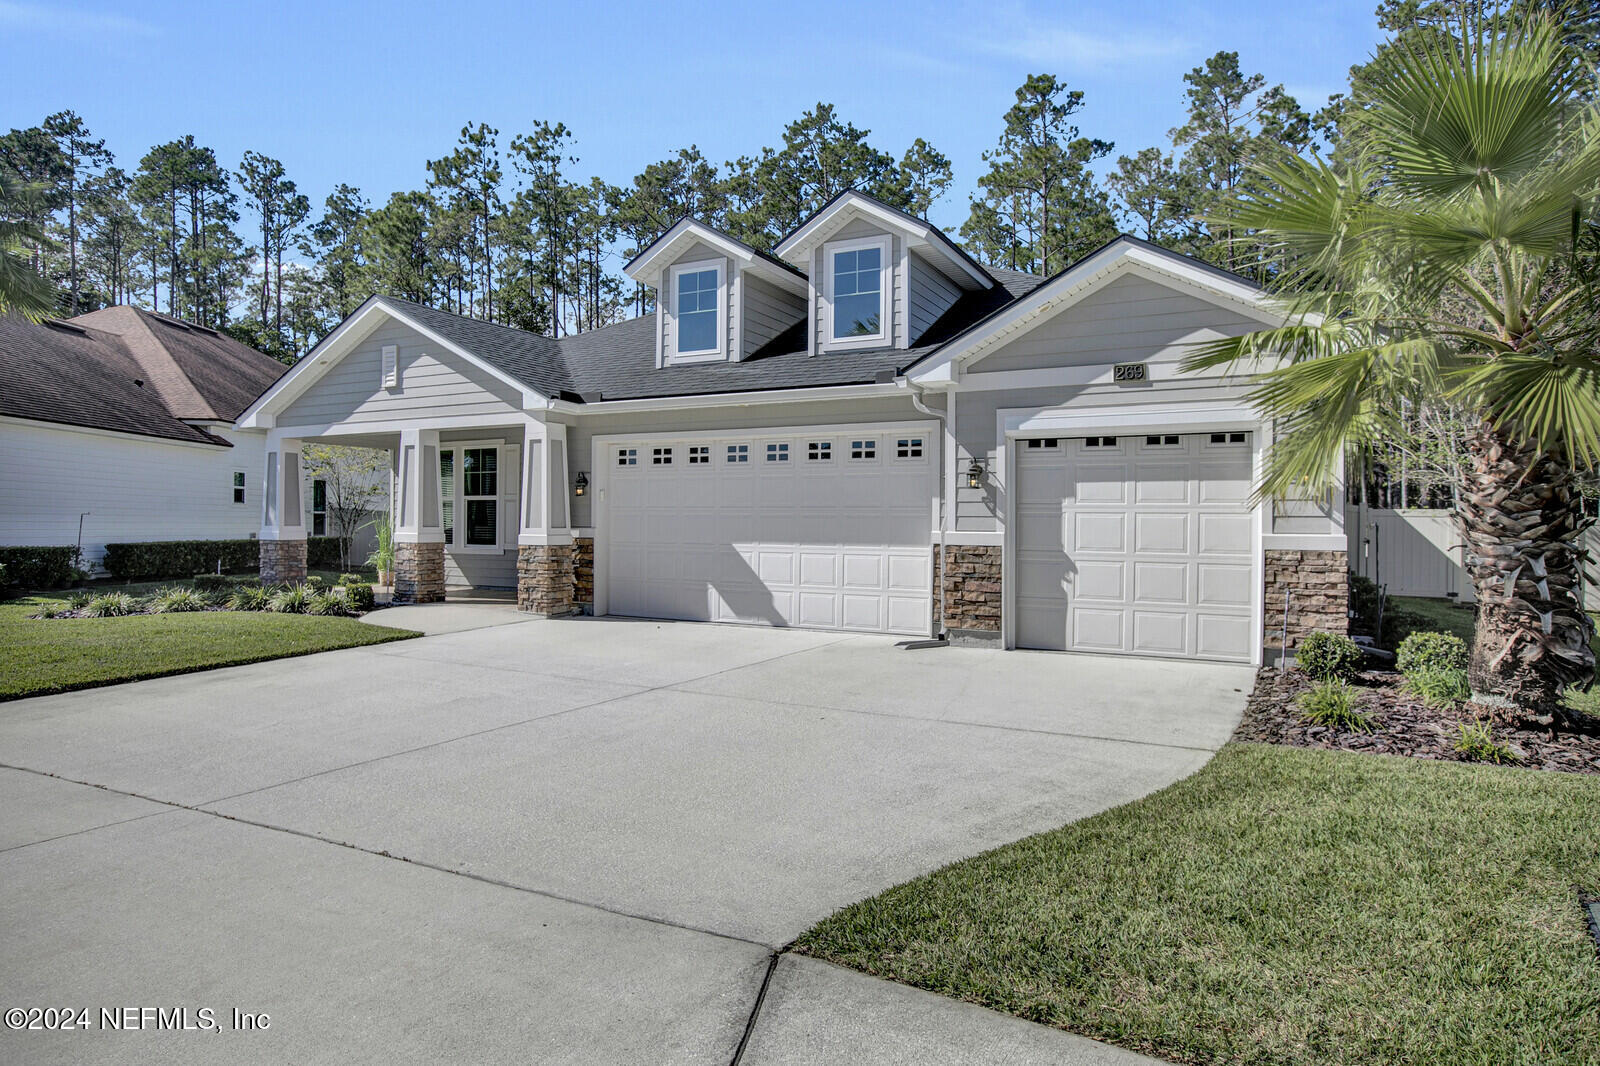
x=645, y=271
x=338, y=344
x=1305, y=542
x=885, y=245
x=970, y=538
x=95, y=431
x=732, y=399
x=1078, y=281
x=798, y=244
x=719, y=353
x=1158, y=372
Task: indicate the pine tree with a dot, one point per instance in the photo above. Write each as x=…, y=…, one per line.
x=81, y=157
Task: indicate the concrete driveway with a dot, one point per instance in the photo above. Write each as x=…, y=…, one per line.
x=552, y=841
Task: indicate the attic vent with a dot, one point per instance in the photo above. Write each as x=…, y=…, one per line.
x=391, y=366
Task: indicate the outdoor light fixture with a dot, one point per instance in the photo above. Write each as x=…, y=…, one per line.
x=580, y=486
x=975, y=475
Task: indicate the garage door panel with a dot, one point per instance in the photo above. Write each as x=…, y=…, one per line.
x=1160, y=633
x=1094, y=531
x=830, y=543
x=1159, y=550
x=1161, y=582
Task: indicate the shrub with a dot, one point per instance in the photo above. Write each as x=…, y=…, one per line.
x=315, y=581
x=48, y=609
x=37, y=567
x=1431, y=651
x=1329, y=656
x=111, y=605
x=292, y=600
x=1333, y=704
x=1438, y=686
x=79, y=599
x=211, y=583
x=358, y=597
x=181, y=558
x=322, y=553
x=250, y=598
x=349, y=579
x=178, y=600
x=326, y=603
x=1476, y=741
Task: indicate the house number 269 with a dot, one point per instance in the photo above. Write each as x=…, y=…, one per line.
x=1128, y=372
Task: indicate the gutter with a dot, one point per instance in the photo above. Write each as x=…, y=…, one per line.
x=752, y=398
x=915, y=393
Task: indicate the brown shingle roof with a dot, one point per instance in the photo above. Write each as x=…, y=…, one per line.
x=130, y=371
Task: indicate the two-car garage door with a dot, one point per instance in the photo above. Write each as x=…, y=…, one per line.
x=826, y=530
x=1137, y=544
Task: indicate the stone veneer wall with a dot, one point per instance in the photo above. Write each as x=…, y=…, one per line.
x=972, y=591
x=583, y=573
x=545, y=582
x=1317, y=584
x=283, y=562
x=418, y=572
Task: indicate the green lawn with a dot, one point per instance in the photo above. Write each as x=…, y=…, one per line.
x=53, y=655
x=1281, y=906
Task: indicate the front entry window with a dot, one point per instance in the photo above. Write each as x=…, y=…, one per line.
x=469, y=487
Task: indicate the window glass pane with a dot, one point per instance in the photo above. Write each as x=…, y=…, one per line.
x=855, y=316
x=319, y=495
x=697, y=332
x=857, y=303
x=447, y=475
x=867, y=259
x=449, y=508
x=478, y=471
x=481, y=522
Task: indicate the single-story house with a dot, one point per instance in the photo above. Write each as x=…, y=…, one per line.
x=123, y=419
x=865, y=430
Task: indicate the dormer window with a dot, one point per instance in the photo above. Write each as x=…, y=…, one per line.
x=857, y=284
x=696, y=304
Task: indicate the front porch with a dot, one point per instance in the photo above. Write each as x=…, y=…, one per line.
x=479, y=511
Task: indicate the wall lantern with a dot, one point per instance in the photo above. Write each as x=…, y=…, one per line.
x=581, y=486
x=975, y=475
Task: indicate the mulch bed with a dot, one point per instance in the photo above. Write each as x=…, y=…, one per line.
x=1402, y=725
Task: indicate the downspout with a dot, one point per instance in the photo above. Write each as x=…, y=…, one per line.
x=916, y=401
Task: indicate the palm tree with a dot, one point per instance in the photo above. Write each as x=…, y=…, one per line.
x=1452, y=259
x=22, y=289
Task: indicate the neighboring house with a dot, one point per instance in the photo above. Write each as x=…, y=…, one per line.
x=126, y=418
x=865, y=431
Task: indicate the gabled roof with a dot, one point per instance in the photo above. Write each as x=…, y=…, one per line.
x=919, y=234
x=647, y=267
x=125, y=370
x=1071, y=284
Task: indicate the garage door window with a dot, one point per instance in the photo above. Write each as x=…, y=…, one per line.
x=777, y=453
x=738, y=453
x=819, y=451
x=908, y=448
x=699, y=454
x=1235, y=437
x=661, y=457
x=627, y=457
x=1164, y=440
x=1099, y=442
x=863, y=449
x=1041, y=443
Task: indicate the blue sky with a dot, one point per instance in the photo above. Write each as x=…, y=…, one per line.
x=366, y=92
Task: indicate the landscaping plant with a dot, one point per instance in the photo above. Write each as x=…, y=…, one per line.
x=1476, y=741
x=178, y=599
x=359, y=597
x=382, y=558
x=250, y=598
x=111, y=605
x=325, y=603
x=1439, y=687
x=1449, y=255
x=1431, y=651
x=1333, y=704
x=1329, y=656
x=292, y=600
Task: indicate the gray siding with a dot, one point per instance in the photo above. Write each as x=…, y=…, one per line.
x=768, y=311
x=580, y=437
x=931, y=295
x=1130, y=320
x=433, y=384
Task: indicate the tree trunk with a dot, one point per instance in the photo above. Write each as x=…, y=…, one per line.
x=1522, y=518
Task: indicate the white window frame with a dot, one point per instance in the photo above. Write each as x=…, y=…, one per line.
x=457, y=500
x=885, y=244
x=913, y=441
x=707, y=355
x=240, y=486
x=324, y=512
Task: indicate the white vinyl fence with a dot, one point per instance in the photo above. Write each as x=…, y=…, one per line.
x=1418, y=552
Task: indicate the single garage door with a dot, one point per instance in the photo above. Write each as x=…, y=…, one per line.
x=1140, y=545
x=824, y=531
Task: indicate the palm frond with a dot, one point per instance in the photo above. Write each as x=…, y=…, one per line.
x=1552, y=402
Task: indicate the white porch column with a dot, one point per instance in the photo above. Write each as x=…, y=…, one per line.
x=544, y=537
x=419, y=520
x=283, y=522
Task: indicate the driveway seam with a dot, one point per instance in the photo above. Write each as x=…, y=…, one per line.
x=382, y=854
x=944, y=721
x=755, y=1009
x=90, y=829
